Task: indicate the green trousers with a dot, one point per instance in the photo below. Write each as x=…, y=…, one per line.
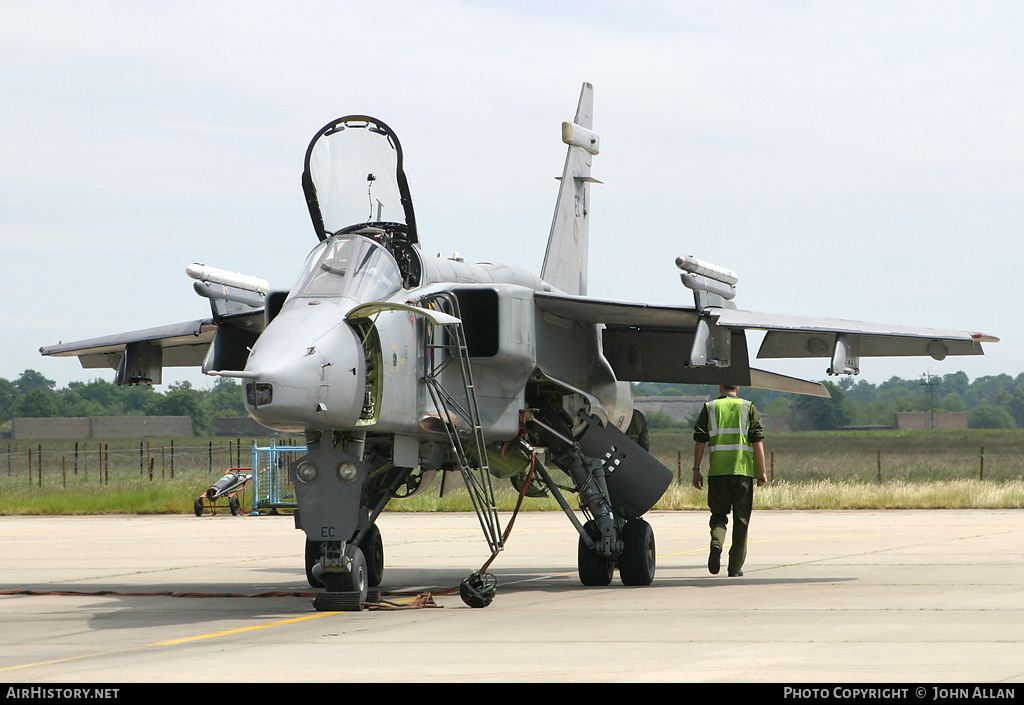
x=731, y=493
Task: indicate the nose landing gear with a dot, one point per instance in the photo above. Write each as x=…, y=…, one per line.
x=343, y=572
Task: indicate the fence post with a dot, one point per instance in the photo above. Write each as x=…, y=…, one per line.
x=39, y=458
x=981, y=474
x=679, y=467
x=772, y=454
x=64, y=471
x=879, y=466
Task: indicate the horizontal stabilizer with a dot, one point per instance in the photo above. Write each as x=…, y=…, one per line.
x=762, y=379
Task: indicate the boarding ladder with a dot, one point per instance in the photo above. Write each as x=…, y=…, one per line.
x=458, y=412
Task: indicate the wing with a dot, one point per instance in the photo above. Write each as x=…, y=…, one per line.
x=139, y=356
x=221, y=342
x=797, y=336
x=681, y=344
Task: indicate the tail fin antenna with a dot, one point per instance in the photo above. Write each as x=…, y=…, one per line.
x=565, y=261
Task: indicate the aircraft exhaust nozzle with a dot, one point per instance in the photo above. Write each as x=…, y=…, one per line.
x=246, y=282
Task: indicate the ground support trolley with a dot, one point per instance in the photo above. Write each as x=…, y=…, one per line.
x=223, y=494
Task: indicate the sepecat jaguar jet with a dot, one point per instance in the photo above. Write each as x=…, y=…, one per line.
x=406, y=372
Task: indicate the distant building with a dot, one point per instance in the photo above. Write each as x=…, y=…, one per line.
x=41, y=429
x=921, y=420
x=679, y=409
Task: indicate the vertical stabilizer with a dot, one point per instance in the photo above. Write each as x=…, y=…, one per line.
x=565, y=261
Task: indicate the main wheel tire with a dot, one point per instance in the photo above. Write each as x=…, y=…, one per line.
x=637, y=562
x=373, y=550
x=236, y=507
x=595, y=570
x=312, y=557
x=198, y=506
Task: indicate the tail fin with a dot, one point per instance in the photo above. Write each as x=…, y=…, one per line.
x=565, y=261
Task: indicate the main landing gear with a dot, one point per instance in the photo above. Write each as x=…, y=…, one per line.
x=636, y=562
x=617, y=481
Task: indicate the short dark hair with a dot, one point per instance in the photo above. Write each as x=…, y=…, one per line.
x=730, y=387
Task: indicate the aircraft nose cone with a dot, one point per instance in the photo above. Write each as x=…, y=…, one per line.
x=310, y=370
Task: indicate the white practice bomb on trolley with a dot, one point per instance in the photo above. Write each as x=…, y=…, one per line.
x=230, y=482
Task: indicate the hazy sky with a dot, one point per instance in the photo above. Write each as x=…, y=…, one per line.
x=859, y=160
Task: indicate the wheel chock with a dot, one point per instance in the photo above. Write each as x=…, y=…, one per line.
x=338, y=602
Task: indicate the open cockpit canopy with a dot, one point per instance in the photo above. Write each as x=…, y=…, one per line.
x=353, y=179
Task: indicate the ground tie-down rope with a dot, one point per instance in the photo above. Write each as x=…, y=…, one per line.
x=421, y=600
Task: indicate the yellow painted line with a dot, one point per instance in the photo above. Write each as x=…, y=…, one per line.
x=172, y=642
x=175, y=642
x=242, y=630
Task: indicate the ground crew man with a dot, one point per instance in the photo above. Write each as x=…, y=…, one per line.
x=731, y=428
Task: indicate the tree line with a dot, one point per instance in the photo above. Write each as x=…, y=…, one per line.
x=995, y=401
x=33, y=395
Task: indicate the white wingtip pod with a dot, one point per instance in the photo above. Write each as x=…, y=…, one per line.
x=689, y=263
x=246, y=282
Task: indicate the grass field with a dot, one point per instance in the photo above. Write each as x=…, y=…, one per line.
x=840, y=470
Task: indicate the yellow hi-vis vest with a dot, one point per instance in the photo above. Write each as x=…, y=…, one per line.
x=731, y=451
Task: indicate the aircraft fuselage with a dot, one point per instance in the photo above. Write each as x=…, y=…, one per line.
x=312, y=369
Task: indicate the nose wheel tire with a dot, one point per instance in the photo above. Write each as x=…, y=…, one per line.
x=373, y=550
x=355, y=579
x=313, y=554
